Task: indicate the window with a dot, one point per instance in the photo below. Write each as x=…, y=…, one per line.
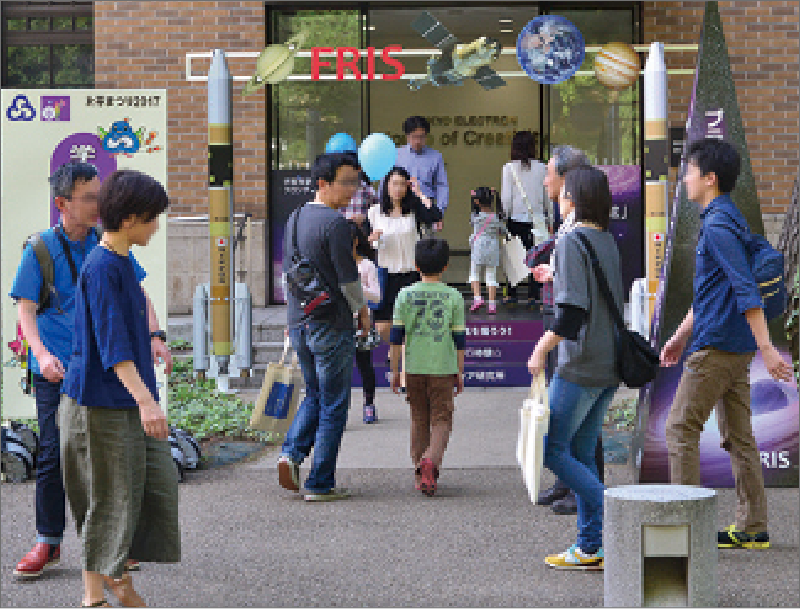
x=582, y=111
x=47, y=44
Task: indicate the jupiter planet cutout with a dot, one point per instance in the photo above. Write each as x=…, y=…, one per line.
x=616, y=65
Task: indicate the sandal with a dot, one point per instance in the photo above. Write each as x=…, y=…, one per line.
x=102, y=603
x=122, y=588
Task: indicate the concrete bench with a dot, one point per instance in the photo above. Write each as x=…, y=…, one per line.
x=660, y=546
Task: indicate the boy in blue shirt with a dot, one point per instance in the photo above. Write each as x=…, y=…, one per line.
x=726, y=325
x=114, y=453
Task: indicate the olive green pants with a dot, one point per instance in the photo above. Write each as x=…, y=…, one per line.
x=122, y=488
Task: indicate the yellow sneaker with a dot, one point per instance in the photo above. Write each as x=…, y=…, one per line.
x=731, y=537
x=575, y=558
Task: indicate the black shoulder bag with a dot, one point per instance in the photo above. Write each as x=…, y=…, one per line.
x=304, y=281
x=636, y=361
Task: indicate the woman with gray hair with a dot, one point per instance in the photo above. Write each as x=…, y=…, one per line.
x=563, y=159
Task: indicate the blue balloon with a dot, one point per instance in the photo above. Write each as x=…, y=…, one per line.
x=341, y=142
x=377, y=155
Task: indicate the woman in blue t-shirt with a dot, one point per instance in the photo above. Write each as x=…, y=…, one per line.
x=119, y=476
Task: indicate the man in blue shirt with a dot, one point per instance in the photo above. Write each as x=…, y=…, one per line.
x=425, y=165
x=726, y=325
x=49, y=334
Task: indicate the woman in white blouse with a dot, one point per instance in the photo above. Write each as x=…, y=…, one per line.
x=524, y=202
x=395, y=223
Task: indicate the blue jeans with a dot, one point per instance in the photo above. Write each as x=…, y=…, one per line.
x=50, y=501
x=326, y=359
x=576, y=420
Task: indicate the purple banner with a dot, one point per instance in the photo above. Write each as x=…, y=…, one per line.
x=496, y=354
x=775, y=421
x=474, y=376
x=626, y=218
x=774, y=405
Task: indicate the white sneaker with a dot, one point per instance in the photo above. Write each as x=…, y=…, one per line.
x=331, y=495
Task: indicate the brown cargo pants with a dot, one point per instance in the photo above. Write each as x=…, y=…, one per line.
x=718, y=379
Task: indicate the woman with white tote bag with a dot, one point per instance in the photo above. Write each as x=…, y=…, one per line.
x=585, y=379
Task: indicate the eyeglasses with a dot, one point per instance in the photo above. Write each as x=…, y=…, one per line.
x=351, y=182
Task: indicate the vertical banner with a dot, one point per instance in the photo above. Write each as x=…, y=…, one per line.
x=43, y=129
x=625, y=182
x=713, y=112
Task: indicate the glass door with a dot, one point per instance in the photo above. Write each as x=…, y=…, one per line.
x=304, y=114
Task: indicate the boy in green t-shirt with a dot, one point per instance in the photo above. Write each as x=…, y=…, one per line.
x=429, y=317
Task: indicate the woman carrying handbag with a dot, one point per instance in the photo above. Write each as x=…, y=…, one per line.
x=523, y=201
x=585, y=377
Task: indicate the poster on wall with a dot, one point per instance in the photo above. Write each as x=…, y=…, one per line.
x=43, y=129
x=625, y=182
x=291, y=188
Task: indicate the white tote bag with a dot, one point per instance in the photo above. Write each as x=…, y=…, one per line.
x=512, y=257
x=534, y=422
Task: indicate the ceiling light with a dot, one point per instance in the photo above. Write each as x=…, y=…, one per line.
x=506, y=21
x=506, y=31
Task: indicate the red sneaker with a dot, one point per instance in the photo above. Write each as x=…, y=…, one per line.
x=37, y=560
x=429, y=474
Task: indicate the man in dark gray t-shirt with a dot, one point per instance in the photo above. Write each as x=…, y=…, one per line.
x=324, y=238
x=325, y=343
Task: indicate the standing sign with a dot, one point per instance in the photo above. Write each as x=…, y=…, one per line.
x=43, y=129
x=713, y=113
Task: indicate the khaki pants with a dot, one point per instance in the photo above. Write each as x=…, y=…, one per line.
x=431, y=401
x=122, y=488
x=718, y=379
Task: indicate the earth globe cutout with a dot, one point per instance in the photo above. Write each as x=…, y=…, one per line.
x=550, y=49
x=616, y=65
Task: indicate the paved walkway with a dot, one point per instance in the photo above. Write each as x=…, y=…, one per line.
x=479, y=542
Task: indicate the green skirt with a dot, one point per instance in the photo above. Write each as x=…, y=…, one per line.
x=122, y=488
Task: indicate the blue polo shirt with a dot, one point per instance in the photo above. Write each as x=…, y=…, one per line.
x=724, y=286
x=55, y=323
x=110, y=327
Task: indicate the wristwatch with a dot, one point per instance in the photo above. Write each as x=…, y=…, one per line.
x=159, y=334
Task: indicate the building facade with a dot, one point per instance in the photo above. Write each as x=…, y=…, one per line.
x=130, y=44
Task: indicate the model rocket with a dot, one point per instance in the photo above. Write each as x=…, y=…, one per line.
x=656, y=163
x=220, y=205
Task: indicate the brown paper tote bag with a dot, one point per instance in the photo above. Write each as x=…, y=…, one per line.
x=280, y=394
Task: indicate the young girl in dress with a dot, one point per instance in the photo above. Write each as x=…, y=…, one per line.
x=487, y=229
